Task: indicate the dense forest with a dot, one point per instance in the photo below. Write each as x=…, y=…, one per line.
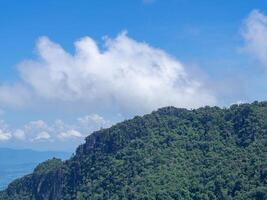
x=172, y=153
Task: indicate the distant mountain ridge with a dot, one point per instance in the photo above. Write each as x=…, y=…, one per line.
x=172, y=153
x=16, y=163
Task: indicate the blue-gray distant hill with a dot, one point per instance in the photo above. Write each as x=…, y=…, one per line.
x=15, y=163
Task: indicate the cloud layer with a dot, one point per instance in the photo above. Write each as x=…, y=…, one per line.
x=40, y=132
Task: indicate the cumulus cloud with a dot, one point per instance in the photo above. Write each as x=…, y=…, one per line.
x=254, y=32
x=39, y=124
x=129, y=75
x=93, y=121
x=70, y=134
x=43, y=136
x=4, y=136
x=123, y=76
x=57, y=131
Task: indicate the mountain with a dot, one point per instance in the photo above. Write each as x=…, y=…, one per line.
x=172, y=153
x=16, y=163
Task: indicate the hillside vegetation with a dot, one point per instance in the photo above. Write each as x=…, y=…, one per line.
x=15, y=163
x=206, y=153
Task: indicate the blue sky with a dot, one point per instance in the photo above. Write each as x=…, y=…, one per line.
x=219, y=57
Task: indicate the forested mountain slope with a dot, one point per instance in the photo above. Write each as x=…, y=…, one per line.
x=206, y=153
x=15, y=163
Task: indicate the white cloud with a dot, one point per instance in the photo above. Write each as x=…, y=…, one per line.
x=39, y=124
x=43, y=136
x=57, y=131
x=4, y=136
x=19, y=134
x=70, y=134
x=129, y=75
x=126, y=77
x=254, y=32
x=37, y=130
x=93, y=121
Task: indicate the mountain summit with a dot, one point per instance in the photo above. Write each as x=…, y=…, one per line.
x=172, y=153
